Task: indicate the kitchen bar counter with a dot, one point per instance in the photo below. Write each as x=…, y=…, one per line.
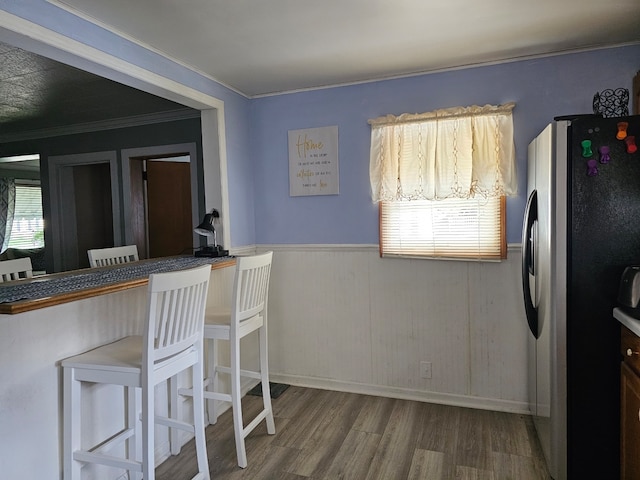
x=95, y=307
x=44, y=291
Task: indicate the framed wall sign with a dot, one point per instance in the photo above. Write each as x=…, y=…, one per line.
x=313, y=161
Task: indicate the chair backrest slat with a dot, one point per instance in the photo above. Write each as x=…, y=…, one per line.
x=251, y=286
x=15, y=269
x=103, y=257
x=175, y=313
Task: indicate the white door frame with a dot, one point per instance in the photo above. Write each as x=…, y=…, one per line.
x=154, y=151
x=61, y=194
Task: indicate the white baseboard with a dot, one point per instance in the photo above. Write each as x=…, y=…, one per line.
x=404, y=394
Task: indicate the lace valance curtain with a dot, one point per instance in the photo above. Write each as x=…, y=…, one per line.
x=458, y=152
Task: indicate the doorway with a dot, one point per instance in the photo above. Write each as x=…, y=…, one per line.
x=160, y=199
x=85, y=206
x=93, y=209
x=162, y=221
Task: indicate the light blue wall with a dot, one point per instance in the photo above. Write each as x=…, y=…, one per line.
x=541, y=88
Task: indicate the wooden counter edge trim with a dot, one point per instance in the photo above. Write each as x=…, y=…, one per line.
x=22, y=306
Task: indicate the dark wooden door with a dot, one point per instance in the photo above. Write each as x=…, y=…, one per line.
x=169, y=220
x=93, y=209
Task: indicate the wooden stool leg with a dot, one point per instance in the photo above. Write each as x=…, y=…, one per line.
x=133, y=421
x=213, y=379
x=198, y=418
x=236, y=402
x=72, y=416
x=175, y=413
x=264, y=374
x=148, y=430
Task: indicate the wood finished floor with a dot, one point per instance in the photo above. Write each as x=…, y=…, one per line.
x=325, y=435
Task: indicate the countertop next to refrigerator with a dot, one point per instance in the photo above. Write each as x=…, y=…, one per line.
x=627, y=320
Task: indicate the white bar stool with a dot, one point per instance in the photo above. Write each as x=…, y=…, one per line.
x=102, y=257
x=172, y=342
x=15, y=269
x=248, y=314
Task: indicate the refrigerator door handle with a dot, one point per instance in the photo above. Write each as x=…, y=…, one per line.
x=528, y=260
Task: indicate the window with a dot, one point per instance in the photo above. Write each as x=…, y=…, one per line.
x=440, y=179
x=27, y=230
x=449, y=229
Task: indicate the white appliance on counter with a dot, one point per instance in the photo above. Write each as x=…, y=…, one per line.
x=581, y=229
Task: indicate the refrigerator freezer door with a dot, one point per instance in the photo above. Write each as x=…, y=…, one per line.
x=538, y=253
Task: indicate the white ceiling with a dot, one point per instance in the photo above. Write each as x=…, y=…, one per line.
x=262, y=47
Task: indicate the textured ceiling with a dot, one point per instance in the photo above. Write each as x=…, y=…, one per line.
x=37, y=93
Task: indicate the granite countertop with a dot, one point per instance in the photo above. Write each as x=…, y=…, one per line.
x=627, y=320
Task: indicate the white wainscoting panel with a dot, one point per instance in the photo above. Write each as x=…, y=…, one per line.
x=341, y=317
x=498, y=329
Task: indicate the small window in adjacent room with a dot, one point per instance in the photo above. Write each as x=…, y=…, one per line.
x=440, y=179
x=27, y=230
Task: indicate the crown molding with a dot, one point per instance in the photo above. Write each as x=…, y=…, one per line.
x=101, y=125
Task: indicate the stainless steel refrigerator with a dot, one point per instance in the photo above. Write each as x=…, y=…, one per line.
x=581, y=229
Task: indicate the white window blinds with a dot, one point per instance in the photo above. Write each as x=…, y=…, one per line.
x=454, y=228
x=28, y=227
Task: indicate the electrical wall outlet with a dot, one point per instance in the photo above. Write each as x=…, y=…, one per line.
x=425, y=369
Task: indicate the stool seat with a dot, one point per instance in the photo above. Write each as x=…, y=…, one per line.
x=217, y=317
x=124, y=357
